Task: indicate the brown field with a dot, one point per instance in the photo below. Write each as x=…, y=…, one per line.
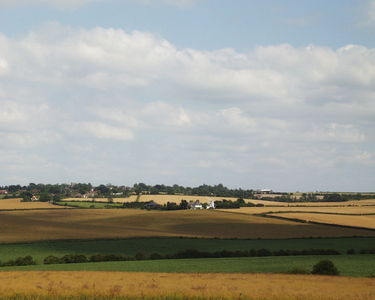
x=357, y=221
x=163, y=199
x=153, y=285
x=334, y=210
x=35, y=225
x=17, y=204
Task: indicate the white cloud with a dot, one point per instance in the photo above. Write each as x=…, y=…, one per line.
x=137, y=99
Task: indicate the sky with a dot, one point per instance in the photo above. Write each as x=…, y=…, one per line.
x=247, y=93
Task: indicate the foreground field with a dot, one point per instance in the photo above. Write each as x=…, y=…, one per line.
x=19, y=226
x=345, y=220
x=177, y=286
x=18, y=204
x=163, y=246
x=348, y=265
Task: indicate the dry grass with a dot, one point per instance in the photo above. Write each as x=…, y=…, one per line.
x=121, y=223
x=334, y=210
x=358, y=221
x=18, y=204
x=231, y=286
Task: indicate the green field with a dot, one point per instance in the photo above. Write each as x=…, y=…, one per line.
x=348, y=265
x=90, y=204
x=39, y=250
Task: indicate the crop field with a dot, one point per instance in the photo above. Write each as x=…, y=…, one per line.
x=163, y=199
x=348, y=265
x=18, y=204
x=354, y=210
x=346, y=220
x=34, y=225
x=81, y=204
x=178, y=286
x=163, y=246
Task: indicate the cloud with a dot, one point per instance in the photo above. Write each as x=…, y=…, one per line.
x=77, y=96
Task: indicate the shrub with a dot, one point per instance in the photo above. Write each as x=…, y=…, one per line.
x=51, y=260
x=156, y=256
x=140, y=256
x=73, y=259
x=325, y=267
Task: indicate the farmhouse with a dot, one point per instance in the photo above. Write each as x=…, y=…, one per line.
x=3, y=192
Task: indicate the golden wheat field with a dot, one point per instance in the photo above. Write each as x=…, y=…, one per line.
x=230, y=286
x=18, y=204
x=35, y=225
x=357, y=221
x=334, y=210
x=163, y=199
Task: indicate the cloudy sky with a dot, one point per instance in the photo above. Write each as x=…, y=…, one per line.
x=248, y=93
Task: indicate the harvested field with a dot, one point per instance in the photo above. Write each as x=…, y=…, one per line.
x=153, y=285
x=331, y=210
x=163, y=199
x=357, y=221
x=18, y=204
x=122, y=223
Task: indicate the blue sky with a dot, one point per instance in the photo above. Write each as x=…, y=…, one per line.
x=252, y=94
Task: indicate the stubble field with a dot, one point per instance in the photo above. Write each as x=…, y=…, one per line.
x=10, y=204
x=180, y=286
x=365, y=221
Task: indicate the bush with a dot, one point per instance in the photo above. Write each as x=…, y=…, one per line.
x=325, y=267
x=51, y=260
x=73, y=259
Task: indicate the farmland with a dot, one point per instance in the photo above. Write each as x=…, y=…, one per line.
x=179, y=285
x=130, y=246
x=365, y=221
x=349, y=265
x=10, y=204
x=350, y=210
x=122, y=223
x=163, y=199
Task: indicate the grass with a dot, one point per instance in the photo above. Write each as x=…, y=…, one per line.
x=40, y=250
x=179, y=286
x=356, y=266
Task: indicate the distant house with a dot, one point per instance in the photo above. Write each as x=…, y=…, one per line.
x=195, y=205
x=3, y=192
x=211, y=205
x=34, y=198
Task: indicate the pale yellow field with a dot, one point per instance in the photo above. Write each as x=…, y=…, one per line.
x=35, y=225
x=358, y=221
x=163, y=199
x=339, y=210
x=17, y=204
x=230, y=286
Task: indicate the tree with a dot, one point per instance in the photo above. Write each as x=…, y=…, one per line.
x=45, y=197
x=325, y=267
